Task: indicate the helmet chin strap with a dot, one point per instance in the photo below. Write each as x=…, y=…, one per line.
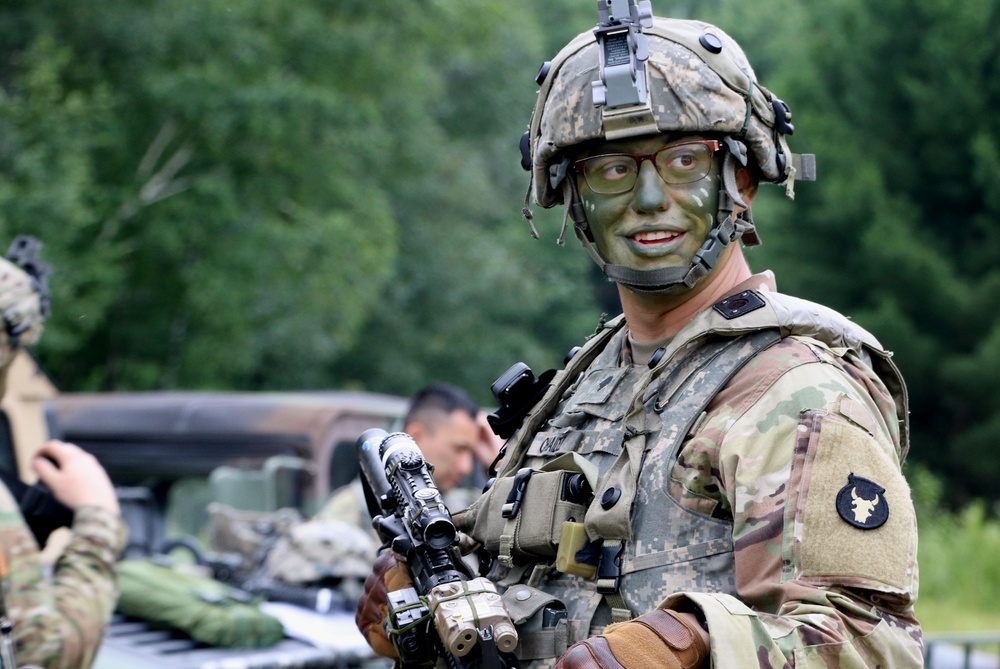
x=673, y=280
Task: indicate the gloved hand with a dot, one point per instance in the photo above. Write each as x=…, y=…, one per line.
x=389, y=573
x=661, y=639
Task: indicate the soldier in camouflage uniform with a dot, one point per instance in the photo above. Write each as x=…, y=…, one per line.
x=58, y=617
x=442, y=419
x=744, y=504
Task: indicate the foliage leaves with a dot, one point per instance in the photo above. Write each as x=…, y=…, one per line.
x=315, y=194
x=897, y=100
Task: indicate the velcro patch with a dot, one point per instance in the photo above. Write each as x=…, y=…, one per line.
x=847, y=530
x=737, y=305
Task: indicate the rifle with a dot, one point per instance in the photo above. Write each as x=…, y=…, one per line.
x=448, y=612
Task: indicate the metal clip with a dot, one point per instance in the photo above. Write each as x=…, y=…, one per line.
x=516, y=494
x=609, y=570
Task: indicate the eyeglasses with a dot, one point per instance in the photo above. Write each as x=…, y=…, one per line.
x=682, y=163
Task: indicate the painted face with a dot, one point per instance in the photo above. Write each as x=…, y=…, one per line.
x=449, y=444
x=654, y=224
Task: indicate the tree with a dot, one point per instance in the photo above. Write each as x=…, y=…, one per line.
x=235, y=183
x=305, y=195
x=896, y=99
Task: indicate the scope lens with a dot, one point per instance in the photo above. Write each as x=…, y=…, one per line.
x=439, y=534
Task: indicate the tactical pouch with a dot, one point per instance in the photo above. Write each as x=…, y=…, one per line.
x=524, y=514
x=542, y=626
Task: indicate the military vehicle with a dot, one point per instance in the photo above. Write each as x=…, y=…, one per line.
x=176, y=451
x=170, y=454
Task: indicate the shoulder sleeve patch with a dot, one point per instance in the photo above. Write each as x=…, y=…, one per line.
x=857, y=521
x=862, y=503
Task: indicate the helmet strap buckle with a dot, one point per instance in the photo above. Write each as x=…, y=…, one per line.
x=718, y=239
x=736, y=148
x=576, y=212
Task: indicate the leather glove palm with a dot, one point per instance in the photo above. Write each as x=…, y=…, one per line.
x=389, y=573
x=657, y=640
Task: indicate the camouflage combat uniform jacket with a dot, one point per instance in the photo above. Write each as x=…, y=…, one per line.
x=59, y=619
x=751, y=474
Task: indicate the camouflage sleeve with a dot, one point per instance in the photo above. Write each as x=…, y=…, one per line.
x=59, y=619
x=347, y=504
x=801, y=451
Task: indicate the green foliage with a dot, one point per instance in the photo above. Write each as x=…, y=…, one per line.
x=313, y=194
x=251, y=195
x=897, y=100
x=959, y=573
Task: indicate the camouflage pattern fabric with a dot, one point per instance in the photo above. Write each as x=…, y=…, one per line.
x=248, y=534
x=21, y=312
x=20, y=303
x=317, y=550
x=347, y=504
x=59, y=621
x=692, y=90
x=780, y=512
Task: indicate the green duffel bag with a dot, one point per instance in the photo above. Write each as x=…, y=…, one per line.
x=207, y=610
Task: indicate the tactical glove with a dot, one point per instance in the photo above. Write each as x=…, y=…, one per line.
x=657, y=640
x=389, y=573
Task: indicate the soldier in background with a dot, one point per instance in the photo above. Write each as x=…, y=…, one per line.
x=58, y=616
x=443, y=420
x=743, y=504
x=338, y=544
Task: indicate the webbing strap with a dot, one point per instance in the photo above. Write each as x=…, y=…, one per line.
x=620, y=611
x=693, y=381
x=544, y=643
x=521, y=440
x=506, y=552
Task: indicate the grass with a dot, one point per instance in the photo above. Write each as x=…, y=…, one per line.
x=938, y=617
x=959, y=556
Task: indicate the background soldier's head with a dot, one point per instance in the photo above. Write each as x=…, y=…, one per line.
x=442, y=420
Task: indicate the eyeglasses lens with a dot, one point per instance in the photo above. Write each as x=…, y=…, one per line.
x=677, y=164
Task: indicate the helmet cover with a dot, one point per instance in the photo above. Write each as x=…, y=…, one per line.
x=694, y=87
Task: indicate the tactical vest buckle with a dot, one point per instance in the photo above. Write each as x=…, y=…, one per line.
x=516, y=494
x=609, y=569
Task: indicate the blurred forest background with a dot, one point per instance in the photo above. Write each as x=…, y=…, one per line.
x=326, y=193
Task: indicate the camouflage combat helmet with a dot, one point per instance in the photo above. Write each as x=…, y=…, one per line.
x=691, y=78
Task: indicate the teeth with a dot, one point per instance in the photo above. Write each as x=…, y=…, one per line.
x=655, y=236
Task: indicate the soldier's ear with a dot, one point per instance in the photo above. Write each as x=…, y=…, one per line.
x=417, y=430
x=746, y=183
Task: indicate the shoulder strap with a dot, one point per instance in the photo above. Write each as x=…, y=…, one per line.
x=755, y=310
x=516, y=447
x=521, y=440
